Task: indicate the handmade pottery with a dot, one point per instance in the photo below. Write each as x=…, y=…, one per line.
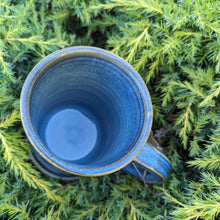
x=87, y=112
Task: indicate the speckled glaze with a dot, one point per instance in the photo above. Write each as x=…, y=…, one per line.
x=87, y=112
x=150, y=165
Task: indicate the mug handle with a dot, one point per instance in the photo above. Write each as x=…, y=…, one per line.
x=151, y=165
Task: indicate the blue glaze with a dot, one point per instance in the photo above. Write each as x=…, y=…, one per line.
x=100, y=88
x=109, y=94
x=113, y=96
x=48, y=169
x=70, y=134
x=158, y=163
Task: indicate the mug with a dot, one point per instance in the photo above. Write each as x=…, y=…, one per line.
x=87, y=112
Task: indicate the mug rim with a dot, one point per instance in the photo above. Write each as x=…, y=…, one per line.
x=77, y=51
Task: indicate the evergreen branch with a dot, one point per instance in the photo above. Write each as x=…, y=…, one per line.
x=4, y=97
x=203, y=120
x=143, y=36
x=140, y=63
x=3, y=17
x=15, y=32
x=4, y=4
x=35, y=40
x=89, y=212
x=185, y=120
x=186, y=34
x=168, y=91
x=211, y=181
x=213, y=144
x=134, y=212
x=173, y=199
x=50, y=214
x=104, y=215
x=118, y=47
x=195, y=149
x=60, y=15
x=171, y=44
x=10, y=119
x=213, y=28
x=153, y=67
x=110, y=203
x=15, y=211
x=215, y=92
x=24, y=169
x=152, y=6
x=210, y=162
x=179, y=60
x=207, y=209
x=6, y=68
x=186, y=85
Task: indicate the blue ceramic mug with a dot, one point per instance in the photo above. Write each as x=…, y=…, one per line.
x=87, y=112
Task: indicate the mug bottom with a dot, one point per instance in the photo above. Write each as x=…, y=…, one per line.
x=69, y=130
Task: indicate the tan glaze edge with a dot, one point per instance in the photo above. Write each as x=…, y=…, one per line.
x=154, y=144
x=44, y=171
x=142, y=176
x=141, y=163
x=62, y=57
x=150, y=168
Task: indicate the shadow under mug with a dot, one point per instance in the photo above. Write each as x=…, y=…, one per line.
x=87, y=112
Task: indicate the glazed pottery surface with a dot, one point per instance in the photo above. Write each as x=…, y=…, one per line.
x=150, y=165
x=85, y=111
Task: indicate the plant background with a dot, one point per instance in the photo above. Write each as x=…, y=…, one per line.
x=175, y=46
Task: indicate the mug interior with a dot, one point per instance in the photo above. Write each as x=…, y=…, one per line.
x=87, y=111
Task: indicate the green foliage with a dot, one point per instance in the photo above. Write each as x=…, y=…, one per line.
x=174, y=45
